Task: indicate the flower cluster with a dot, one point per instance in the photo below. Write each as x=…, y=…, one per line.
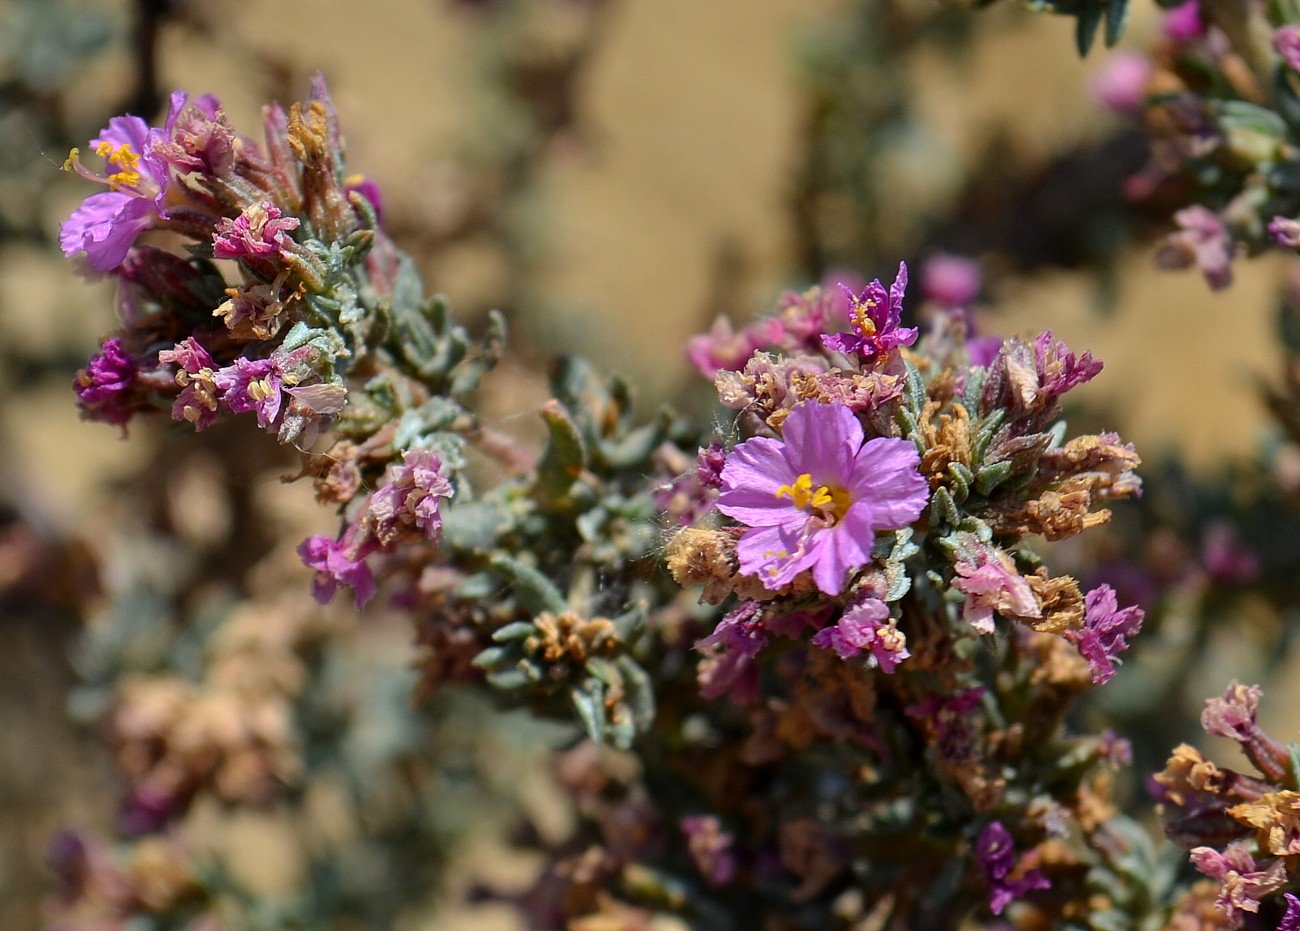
x=1218, y=95
x=869, y=541
x=1242, y=829
x=874, y=625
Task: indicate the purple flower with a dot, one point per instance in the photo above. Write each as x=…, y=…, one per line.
x=1285, y=232
x=1121, y=84
x=1242, y=882
x=874, y=315
x=951, y=280
x=1183, y=23
x=866, y=627
x=815, y=499
x=1291, y=920
x=1105, y=627
x=1224, y=557
x=252, y=385
x=728, y=667
x=408, y=498
x=105, y=384
x=258, y=232
x=1233, y=715
x=107, y=224
x=710, y=847
x=1202, y=240
x=996, y=852
x=335, y=565
x=198, y=400
x=1286, y=41
x=723, y=348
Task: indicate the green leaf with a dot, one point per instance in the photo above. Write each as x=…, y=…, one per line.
x=565, y=455
x=535, y=591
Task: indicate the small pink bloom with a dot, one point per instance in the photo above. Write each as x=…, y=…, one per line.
x=721, y=349
x=335, y=565
x=993, y=584
x=407, y=499
x=866, y=627
x=1105, y=631
x=1121, y=84
x=258, y=232
x=951, y=280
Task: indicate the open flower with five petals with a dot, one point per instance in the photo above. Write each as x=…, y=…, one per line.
x=815, y=499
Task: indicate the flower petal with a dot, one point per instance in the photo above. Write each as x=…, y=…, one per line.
x=886, y=474
x=821, y=440
x=750, y=479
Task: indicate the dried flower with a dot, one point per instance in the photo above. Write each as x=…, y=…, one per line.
x=408, y=498
x=1242, y=882
x=258, y=232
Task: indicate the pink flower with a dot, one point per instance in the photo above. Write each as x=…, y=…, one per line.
x=1286, y=41
x=950, y=280
x=252, y=385
x=1233, y=715
x=258, y=232
x=866, y=627
x=336, y=564
x=1291, y=920
x=1183, y=23
x=874, y=318
x=723, y=348
x=1202, y=240
x=815, y=499
x=106, y=224
x=1105, y=629
x=200, y=394
x=728, y=667
x=711, y=848
x=408, y=498
x=993, y=584
x=1121, y=84
x=1242, y=882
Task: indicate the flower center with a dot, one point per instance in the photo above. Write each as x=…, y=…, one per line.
x=125, y=160
x=829, y=501
x=862, y=322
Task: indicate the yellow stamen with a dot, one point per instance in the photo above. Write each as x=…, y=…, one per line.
x=864, y=324
x=800, y=493
x=69, y=164
x=833, y=501
x=125, y=158
x=259, y=389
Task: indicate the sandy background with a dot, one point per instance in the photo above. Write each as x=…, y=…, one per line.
x=690, y=116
